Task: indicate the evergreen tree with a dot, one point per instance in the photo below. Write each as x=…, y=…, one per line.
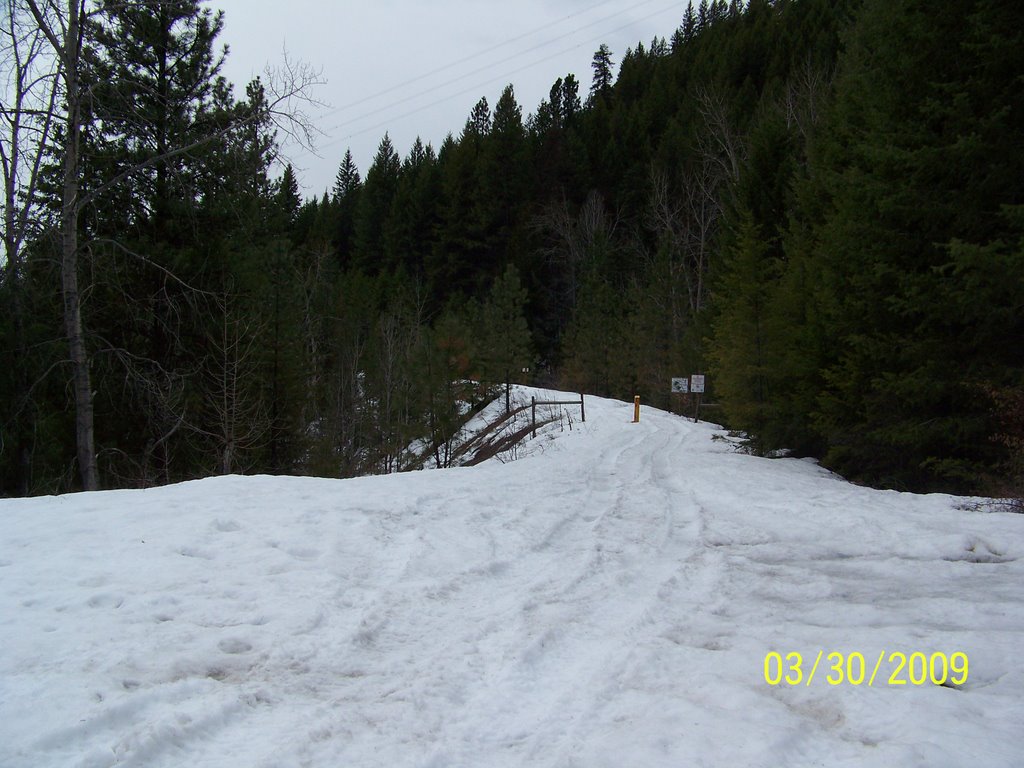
x=348, y=187
x=554, y=166
x=449, y=359
x=348, y=180
x=602, y=67
x=506, y=347
x=479, y=123
x=375, y=202
x=462, y=238
x=593, y=341
x=411, y=232
x=740, y=347
x=690, y=24
x=157, y=81
x=901, y=182
x=503, y=182
x=704, y=15
x=161, y=135
x=288, y=198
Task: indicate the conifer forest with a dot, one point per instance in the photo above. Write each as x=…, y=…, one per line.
x=818, y=203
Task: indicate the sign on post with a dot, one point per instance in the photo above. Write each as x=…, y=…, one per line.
x=680, y=386
x=697, y=387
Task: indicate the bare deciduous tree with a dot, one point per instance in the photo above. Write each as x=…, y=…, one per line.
x=719, y=142
x=398, y=337
x=28, y=96
x=575, y=241
x=687, y=222
x=161, y=395
x=235, y=418
x=64, y=29
x=805, y=97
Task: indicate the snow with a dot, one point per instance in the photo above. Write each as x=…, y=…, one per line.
x=608, y=599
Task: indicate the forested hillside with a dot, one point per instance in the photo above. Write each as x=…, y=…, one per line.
x=817, y=202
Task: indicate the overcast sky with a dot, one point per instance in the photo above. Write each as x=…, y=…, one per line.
x=415, y=68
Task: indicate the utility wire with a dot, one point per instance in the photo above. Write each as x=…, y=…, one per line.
x=475, y=87
x=465, y=59
x=460, y=78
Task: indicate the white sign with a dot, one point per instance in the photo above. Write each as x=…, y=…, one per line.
x=697, y=384
x=680, y=386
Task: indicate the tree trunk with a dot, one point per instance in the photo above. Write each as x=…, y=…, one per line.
x=85, y=437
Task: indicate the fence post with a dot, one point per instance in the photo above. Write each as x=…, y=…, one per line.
x=583, y=412
x=636, y=409
x=534, y=415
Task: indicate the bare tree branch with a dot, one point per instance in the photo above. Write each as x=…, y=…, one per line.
x=719, y=142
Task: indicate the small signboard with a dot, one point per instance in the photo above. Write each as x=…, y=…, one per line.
x=680, y=386
x=697, y=383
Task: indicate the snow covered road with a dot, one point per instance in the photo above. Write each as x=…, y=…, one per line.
x=607, y=600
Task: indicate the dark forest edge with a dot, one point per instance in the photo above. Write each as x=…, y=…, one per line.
x=818, y=203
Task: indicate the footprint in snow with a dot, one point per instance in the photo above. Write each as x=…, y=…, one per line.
x=194, y=553
x=105, y=601
x=233, y=645
x=304, y=553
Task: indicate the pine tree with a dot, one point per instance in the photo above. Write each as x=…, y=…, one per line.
x=593, y=340
x=553, y=166
x=449, y=357
x=479, y=123
x=348, y=180
x=462, y=234
x=375, y=206
x=740, y=347
x=503, y=182
x=704, y=16
x=162, y=133
x=690, y=24
x=903, y=174
x=602, y=67
x=156, y=83
x=288, y=199
x=506, y=345
x=348, y=188
x=410, y=235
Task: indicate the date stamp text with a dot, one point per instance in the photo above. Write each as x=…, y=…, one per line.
x=889, y=668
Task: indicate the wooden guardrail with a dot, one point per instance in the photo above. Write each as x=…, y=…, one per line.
x=536, y=402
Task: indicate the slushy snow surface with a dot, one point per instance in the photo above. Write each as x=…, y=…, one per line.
x=606, y=600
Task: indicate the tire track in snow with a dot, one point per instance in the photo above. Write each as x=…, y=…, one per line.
x=464, y=620
x=572, y=636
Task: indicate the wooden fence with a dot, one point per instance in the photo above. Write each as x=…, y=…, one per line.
x=536, y=402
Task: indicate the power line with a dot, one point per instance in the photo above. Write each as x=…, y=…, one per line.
x=465, y=59
x=476, y=87
x=477, y=71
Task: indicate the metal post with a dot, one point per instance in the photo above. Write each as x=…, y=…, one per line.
x=534, y=415
x=583, y=411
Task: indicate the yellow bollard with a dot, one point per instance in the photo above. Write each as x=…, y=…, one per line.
x=636, y=409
